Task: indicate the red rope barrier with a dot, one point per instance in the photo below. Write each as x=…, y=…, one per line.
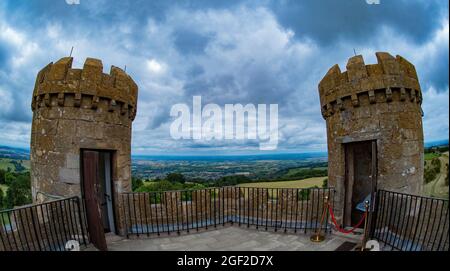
x=339, y=228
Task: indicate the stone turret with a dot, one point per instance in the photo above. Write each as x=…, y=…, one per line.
x=76, y=109
x=378, y=103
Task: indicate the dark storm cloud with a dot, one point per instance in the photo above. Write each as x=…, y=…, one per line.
x=195, y=71
x=225, y=51
x=16, y=103
x=329, y=20
x=437, y=74
x=160, y=117
x=103, y=12
x=324, y=21
x=211, y=86
x=4, y=56
x=190, y=42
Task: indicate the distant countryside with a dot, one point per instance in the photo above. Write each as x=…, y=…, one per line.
x=436, y=172
x=177, y=173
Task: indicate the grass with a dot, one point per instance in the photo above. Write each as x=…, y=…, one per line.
x=4, y=188
x=296, y=171
x=431, y=155
x=6, y=163
x=305, y=183
x=437, y=187
x=149, y=183
x=5, y=219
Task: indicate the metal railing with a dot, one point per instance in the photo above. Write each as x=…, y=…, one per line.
x=191, y=210
x=410, y=223
x=42, y=227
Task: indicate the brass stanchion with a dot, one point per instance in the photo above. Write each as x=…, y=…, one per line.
x=363, y=243
x=318, y=237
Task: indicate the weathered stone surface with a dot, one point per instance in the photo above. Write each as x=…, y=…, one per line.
x=72, y=161
x=88, y=86
x=69, y=175
x=380, y=102
x=71, y=112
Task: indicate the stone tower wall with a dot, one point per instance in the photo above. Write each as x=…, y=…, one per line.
x=380, y=102
x=76, y=109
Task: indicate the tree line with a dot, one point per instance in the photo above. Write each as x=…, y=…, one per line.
x=18, y=191
x=177, y=181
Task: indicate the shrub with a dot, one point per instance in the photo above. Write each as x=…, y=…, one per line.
x=2, y=176
x=136, y=183
x=446, y=177
x=304, y=194
x=2, y=198
x=232, y=180
x=430, y=174
x=435, y=162
x=175, y=178
x=19, y=191
x=10, y=177
x=325, y=183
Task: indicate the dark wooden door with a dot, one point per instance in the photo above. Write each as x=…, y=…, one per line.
x=374, y=178
x=361, y=178
x=91, y=187
x=374, y=172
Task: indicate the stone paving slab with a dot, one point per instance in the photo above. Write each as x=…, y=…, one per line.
x=230, y=239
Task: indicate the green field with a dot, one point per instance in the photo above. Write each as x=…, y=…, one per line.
x=12, y=164
x=305, y=183
x=4, y=219
x=437, y=187
x=431, y=155
x=4, y=188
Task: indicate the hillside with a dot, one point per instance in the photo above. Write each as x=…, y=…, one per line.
x=14, y=165
x=305, y=183
x=14, y=153
x=436, y=174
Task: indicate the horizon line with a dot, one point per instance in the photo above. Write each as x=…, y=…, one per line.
x=231, y=153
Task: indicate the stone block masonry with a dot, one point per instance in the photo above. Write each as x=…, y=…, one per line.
x=75, y=109
x=379, y=102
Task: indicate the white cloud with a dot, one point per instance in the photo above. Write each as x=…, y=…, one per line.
x=14, y=133
x=155, y=67
x=6, y=101
x=24, y=48
x=436, y=115
x=245, y=55
x=426, y=57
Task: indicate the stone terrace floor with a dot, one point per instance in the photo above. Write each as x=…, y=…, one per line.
x=230, y=238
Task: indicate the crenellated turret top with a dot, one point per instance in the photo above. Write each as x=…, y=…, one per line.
x=388, y=73
x=60, y=78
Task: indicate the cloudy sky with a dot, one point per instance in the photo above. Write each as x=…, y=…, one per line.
x=272, y=52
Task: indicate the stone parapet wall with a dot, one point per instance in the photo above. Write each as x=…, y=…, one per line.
x=59, y=80
x=379, y=103
x=391, y=79
x=76, y=109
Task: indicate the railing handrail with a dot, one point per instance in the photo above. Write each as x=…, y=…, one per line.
x=396, y=227
x=229, y=186
x=411, y=195
x=49, y=195
x=31, y=205
x=42, y=226
x=153, y=212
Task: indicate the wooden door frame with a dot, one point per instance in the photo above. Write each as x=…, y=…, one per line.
x=112, y=178
x=349, y=177
x=348, y=183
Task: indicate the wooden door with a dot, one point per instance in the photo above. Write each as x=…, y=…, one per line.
x=361, y=178
x=374, y=172
x=374, y=179
x=91, y=189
